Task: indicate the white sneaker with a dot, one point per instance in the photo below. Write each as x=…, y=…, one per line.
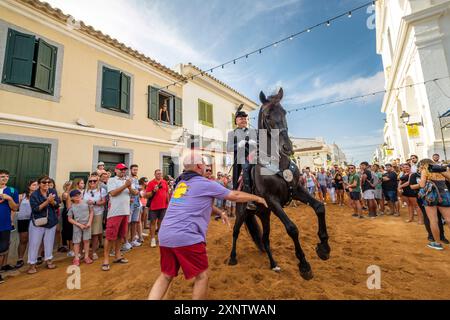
x=126, y=247
x=94, y=256
x=112, y=254
x=135, y=243
x=71, y=254
x=153, y=243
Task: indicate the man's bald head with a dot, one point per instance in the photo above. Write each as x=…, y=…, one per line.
x=193, y=161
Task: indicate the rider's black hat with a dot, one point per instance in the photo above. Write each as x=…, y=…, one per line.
x=240, y=112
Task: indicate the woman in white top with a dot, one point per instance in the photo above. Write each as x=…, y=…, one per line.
x=23, y=221
x=95, y=196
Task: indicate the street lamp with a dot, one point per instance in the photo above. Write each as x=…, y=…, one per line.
x=445, y=115
x=405, y=117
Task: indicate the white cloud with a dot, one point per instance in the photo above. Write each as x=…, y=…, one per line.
x=349, y=88
x=144, y=28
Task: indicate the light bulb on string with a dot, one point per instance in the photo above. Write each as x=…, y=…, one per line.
x=328, y=23
x=349, y=14
x=309, y=30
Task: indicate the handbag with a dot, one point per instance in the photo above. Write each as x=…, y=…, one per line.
x=430, y=194
x=40, y=222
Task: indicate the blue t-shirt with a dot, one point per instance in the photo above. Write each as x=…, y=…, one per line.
x=5, y=210
x=187, y=217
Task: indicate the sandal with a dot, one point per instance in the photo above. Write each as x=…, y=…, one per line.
x=50, y=265
x=88, y=260
x=121, y=260
x=105, y=267
x=19, y=264
x=32, y=270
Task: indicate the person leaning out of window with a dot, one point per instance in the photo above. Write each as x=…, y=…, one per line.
x=435, y=195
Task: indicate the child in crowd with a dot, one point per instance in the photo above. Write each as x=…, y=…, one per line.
x=80, y=215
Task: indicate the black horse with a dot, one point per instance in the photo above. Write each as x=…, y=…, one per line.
x=278, y=189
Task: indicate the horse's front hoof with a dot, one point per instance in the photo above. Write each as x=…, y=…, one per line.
x=306, y=272
x=323, y=251
x=277, y=269
x=232, y=262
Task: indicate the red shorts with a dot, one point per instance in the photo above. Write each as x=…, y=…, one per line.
x=192, y=259
x=116, y=227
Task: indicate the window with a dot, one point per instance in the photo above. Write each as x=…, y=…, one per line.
x=205, y=113
x=233, y=122
x=81, y=175
x=115, y=90
x=111, y=159
x=168, y=167
x=29, y=62
x=163, y=106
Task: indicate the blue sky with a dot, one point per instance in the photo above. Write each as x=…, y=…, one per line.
x=326, y=64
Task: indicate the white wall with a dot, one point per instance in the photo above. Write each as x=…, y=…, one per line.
x=223, y=109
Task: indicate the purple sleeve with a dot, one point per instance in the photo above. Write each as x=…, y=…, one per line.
x=215, y=190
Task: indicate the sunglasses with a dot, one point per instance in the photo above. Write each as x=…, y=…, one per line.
x=45, y=182
x=93, y=181
x=208, y=170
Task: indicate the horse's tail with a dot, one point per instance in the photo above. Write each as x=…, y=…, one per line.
x=255, y=231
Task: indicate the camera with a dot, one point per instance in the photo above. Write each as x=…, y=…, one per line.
x=437, y=168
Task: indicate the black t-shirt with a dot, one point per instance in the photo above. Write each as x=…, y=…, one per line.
x=366, y=185
x=339, y=183
x=392, y=184
x=412, y=178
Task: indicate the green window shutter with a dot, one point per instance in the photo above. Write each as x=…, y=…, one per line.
x=178, y=112
x=111, y=88
x=125, y=93
x=201, y=111
x=153, y=103
x=233, y=124
x=209, y=113
x=45, y=67
x=19, y=55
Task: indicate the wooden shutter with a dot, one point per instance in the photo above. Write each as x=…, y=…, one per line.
x=209, y=114
x=45, y=67
x=19, y=55
x=201, y=111
x=178, y=112
x=125, y=93
x=233, y=123
x=153, y=103
x=111, y=88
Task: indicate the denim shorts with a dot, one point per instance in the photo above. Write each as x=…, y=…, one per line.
x=390, y=195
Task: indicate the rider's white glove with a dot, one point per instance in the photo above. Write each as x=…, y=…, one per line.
x=241, y=143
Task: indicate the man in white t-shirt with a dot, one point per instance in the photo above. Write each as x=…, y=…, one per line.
x=414, y=161
x=119, y=190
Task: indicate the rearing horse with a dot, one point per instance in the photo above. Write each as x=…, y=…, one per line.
x=278, y=189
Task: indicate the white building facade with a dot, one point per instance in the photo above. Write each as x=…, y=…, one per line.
x=315, y=153
x=209, y=106
x=413, y=38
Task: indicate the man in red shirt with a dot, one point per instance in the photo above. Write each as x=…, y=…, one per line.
x=158, y=191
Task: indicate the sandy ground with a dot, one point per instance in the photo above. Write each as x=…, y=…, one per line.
x=409, y=270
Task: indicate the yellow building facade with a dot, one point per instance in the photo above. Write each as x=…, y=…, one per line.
x=71, y=96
